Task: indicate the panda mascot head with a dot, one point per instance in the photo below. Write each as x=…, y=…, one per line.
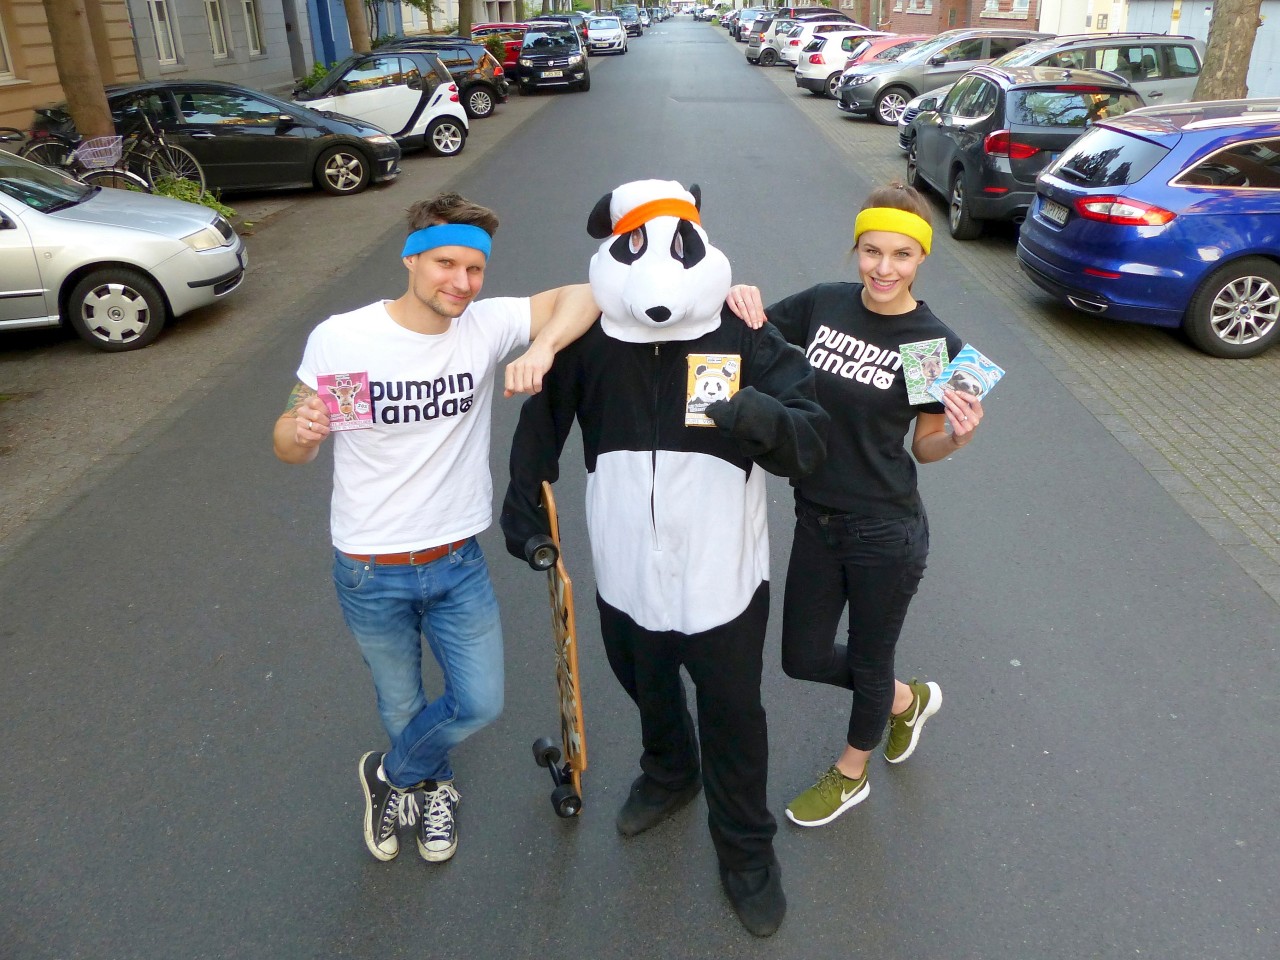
x=656, y=276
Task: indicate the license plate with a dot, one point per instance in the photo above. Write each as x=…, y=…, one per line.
x=1052, y=210
x=553, y=73
x=600, y=43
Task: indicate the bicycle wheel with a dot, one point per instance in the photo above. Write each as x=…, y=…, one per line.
x=50, y=151
x=170, y=162
x=116, y=179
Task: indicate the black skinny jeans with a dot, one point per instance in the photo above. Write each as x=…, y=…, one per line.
x=874, y=566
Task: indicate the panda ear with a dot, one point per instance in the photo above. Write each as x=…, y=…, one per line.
x=599, y=223
x=697, y=196
x=700, y=370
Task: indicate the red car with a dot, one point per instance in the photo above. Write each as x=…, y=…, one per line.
x=512, y=36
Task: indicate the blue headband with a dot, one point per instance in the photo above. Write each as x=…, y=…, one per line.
x=448, y=235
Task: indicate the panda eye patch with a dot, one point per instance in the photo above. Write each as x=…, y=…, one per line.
x=630, y=248
x=686, y=246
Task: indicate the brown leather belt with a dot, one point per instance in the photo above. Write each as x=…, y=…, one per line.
x=412, y=557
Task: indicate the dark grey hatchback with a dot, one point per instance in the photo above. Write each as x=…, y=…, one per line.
x=985, y=143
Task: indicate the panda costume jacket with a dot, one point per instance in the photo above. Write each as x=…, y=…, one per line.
x=676, y=514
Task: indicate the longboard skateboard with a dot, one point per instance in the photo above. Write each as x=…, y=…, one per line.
x=566, y=798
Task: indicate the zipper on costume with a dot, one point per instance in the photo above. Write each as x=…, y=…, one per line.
x=653, y=453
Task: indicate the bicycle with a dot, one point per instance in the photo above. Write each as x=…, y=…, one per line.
x=146, y=153
x=95, y=161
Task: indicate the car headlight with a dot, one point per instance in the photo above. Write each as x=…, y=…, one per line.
x=379, y=138
x=525, y=62
x=575, y=59
x=856, y=80
x=206, y=238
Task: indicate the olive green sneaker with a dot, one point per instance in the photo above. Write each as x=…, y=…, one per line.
x=904, y=728
x=832, y=795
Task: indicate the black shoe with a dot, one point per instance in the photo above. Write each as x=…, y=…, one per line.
x=381, y=808
x=757, y=897
x=649, y=803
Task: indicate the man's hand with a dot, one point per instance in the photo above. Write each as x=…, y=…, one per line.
x=524, y=374
x=302, y=427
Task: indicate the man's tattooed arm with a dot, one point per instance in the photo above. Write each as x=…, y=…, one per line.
x=297, y=397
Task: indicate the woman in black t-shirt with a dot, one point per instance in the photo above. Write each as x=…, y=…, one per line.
x=861, y=534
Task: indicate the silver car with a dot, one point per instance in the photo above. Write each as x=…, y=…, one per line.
x=883, y=90
x=112, y=264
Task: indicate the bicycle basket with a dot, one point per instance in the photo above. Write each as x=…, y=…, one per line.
x=97, y=152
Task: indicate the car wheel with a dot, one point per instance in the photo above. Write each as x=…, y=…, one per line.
x=890, y=104
x=116, y=309
x=479, y=103
x=769, y=57
x=914, y=180
x=1235, y=312
x=833, y=82
x=445, y=137
x=959, y=219
x=342, y=170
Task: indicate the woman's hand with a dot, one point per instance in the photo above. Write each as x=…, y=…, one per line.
x=744, y=300
x=964, y=413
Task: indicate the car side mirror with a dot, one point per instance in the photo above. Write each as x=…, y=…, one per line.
x=938, y=59
x=928, y=103
x=414, y=83
x=340, y=88
x=286, y=120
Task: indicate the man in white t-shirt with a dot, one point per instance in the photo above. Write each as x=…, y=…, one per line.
x=409, y=385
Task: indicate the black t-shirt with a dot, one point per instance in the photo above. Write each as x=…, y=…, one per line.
x=854, y=353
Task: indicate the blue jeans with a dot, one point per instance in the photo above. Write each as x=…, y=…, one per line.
x=450, y=602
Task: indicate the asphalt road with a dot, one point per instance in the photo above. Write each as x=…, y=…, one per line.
x=183, y=708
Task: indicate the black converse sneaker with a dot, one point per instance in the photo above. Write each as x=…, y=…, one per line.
x=438, y=831
x=381, y=808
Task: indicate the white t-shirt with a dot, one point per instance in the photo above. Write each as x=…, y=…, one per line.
x=420, y=476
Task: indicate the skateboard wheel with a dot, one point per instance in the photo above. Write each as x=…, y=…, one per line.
x=566, y=801
x=541, y=552
x=545, y=753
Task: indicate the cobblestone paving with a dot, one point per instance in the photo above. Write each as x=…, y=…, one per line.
x=1211, y=448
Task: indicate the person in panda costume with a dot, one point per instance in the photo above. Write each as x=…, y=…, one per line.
x=676, y=512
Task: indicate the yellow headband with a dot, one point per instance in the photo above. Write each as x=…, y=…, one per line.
x=893, y=220
x=666, y=207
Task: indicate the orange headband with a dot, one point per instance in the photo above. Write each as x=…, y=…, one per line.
x=668, y=207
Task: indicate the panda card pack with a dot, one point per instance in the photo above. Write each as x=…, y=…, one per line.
x=712, y=377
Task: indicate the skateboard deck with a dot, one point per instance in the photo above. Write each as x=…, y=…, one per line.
x=564, y=634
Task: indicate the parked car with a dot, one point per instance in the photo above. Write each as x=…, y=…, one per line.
x=821, y=62
x=248, y=140
x=1161, y=67
x=883, y=90
x=606, y=35
x=822, y=59
x=576, y=18
x=984, y=145
x=760, y=30
x=739, y=25
x=805, y=30
x=512, y=34
x=552, y=56
x=1168, y=216
x=631, y=22
x=407, y=93
x=113, y=265
x=480, y=77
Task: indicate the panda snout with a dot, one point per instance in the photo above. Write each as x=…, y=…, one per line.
x=658, y=314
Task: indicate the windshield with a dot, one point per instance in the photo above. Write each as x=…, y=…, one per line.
x=539, y=41
x=604, y=23
x=39, y=187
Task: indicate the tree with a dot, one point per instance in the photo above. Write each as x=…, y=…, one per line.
x=427, y=7
x=358, y=26
x=78, y=70
x=1226, y=59
x=465, y=17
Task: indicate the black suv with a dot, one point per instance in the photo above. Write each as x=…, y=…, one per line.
x=983, y=144
x=479, y=76
x=552, y=55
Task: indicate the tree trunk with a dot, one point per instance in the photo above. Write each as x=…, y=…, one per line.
x=466, y=17
x=1226, y=60
x=77, y=65
x=358, y=25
